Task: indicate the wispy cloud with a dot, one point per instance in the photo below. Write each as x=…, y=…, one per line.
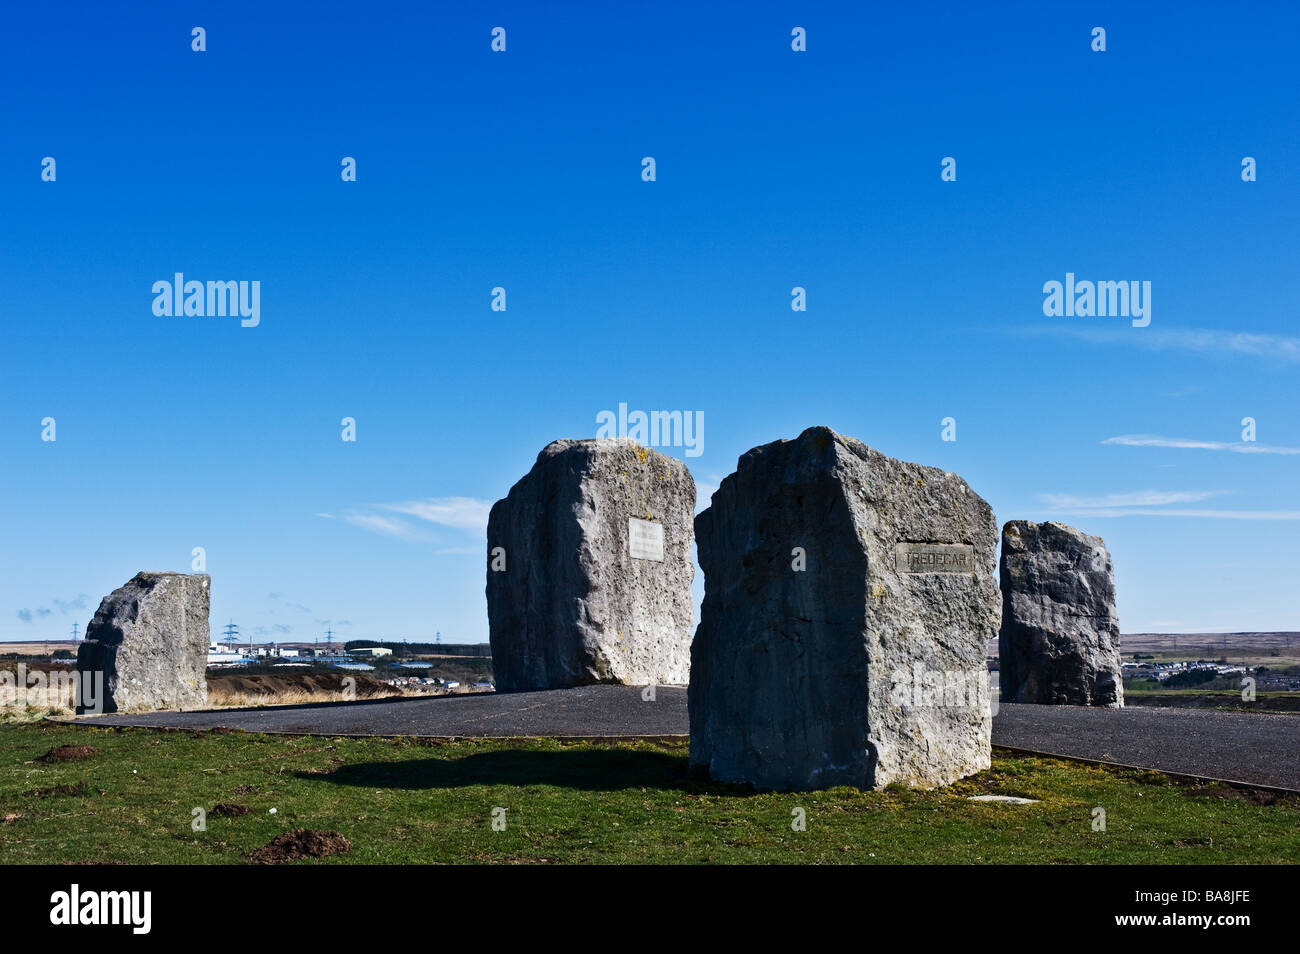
x=1154, y=503
x=77, y=604
x=1137, y=498
x=287, y=603
x=378, y=524
x=461, y=513
x=1206, y=514
x=65, y=607
x=1187, y=443
x=279, y=629
x=1277, y=348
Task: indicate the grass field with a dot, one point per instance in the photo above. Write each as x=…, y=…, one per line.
x=413, y=802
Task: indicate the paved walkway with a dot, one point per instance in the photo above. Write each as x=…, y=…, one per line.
x=586, y=712
x=1241, y=747
x=1234, y=746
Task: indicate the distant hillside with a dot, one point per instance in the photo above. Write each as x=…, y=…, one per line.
x=423, y=649
x=1206, y=643
x=37, y=647
x=1281, y=637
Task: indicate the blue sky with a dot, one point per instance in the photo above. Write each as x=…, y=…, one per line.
x=522, y=169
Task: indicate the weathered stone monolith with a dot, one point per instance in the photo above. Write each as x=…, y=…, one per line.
x=1059, y=643
x=589, y=569
x=149, y=639
x=848, y=602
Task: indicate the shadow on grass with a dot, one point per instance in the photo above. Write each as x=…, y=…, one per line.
x=599, y=770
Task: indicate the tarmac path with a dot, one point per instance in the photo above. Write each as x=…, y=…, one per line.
x=1253, y=749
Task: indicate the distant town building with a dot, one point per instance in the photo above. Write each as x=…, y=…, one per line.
x=224, y=656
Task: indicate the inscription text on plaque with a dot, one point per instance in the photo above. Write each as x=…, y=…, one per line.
x=934, y=558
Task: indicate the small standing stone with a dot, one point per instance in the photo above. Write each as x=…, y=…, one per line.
x=149, y=640
x=589, y=569
x=1059, y=643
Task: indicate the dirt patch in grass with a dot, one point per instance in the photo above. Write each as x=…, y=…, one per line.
x=69, y=753
x=298, y=844
x=81, y=788
x=1193, y=842
x=229, y=810
x=200, y=733
x=92, y=862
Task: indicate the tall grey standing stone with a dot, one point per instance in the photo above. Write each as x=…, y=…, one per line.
x=1059, y=643
x=848, y=603
x=149, y=638
x=589, y=569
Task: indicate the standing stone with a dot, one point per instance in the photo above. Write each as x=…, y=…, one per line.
x=149, y=639
x=589, y=569
x=848, y=601
x=1059, y=643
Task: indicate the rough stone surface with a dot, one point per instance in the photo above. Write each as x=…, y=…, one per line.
x=853, y=671
x=573, y=606
x=1059, y=643
x=150, y=640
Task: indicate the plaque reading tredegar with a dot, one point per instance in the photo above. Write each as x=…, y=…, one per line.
x=934, y=558
x=645, y=540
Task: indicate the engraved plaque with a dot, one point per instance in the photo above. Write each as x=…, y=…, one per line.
x=645, y=540
x=934, y=558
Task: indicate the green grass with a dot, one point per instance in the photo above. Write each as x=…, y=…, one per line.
x=404, y=801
